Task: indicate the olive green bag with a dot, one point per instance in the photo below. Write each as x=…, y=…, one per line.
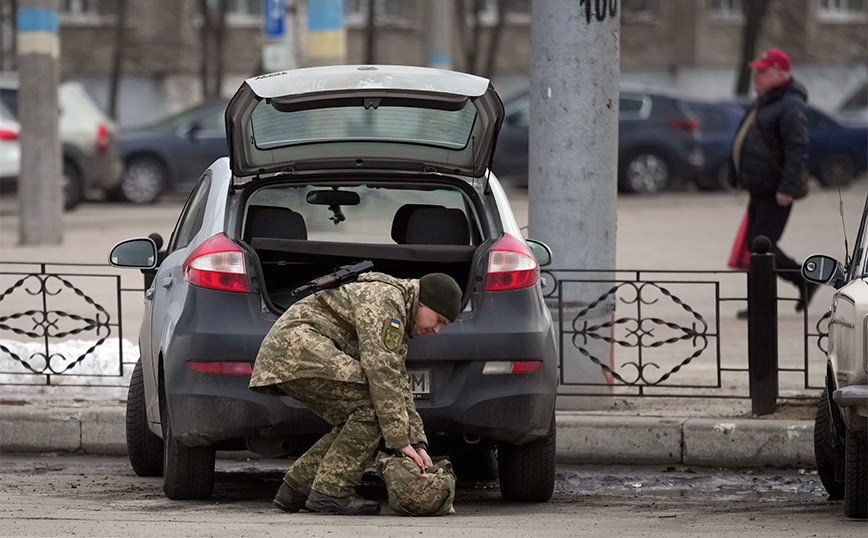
x=414, y=493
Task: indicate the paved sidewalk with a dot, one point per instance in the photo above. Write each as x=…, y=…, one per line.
x=583, y=437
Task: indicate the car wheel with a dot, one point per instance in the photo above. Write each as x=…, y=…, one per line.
x=827, y=449
x=527, y=472
x=855, y=476
x=73, y=186
x=143, y=180
x=188, y=472
x=145, y=449
x=646, y=172
x=837, y=169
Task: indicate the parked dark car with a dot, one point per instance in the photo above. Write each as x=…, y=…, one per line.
x=718, y=123
x=330, y=166
x=838, y=151
x=658, y=142
x=171, y=154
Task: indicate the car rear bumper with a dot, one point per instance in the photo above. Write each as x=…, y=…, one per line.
x=207, y=408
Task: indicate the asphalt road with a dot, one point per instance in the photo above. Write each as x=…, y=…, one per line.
x=54, y=496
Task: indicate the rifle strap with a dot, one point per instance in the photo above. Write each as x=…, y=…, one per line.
x=342, y=321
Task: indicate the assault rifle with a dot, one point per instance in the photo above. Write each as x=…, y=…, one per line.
x=345, y=273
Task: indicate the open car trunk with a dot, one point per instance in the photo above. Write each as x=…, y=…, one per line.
x=300, y=232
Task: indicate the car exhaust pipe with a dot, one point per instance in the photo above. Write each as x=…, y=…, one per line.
x=270, y=447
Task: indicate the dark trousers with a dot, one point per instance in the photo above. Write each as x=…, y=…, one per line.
x=766, y=217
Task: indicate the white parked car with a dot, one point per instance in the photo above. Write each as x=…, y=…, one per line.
x=841, y=427
x=10, y=149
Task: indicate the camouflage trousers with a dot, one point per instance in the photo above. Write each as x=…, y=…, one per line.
x=335, y=464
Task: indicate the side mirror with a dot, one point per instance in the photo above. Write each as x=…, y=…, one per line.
x=540, y=251
x=135, y=254
x=822, y=269
x=193, y=129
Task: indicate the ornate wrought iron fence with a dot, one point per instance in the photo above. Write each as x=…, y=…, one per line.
x=663, y=333
x=62, y=324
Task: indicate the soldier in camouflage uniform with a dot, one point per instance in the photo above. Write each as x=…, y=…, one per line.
x=342, y=353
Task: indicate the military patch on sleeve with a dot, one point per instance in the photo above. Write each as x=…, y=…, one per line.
x=393, y=334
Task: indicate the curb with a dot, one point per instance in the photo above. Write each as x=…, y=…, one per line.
x=581, y=438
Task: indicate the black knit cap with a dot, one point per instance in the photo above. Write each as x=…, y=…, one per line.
x=440, y=293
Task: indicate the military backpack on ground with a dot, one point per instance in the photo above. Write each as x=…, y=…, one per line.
x=414, y=493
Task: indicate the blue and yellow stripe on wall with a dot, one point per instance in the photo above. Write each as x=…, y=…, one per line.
x=326, y=35
x=37, y=32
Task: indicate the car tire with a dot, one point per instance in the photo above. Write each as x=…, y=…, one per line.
x=645, y=172
x=828, y=451
x=527, y=472
x=188, y=472
x=145, y=449
x=143, y=181
x=855, y=476
x=73, y=186
x=837, y=169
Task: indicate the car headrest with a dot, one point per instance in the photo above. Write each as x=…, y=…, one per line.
x=437, y=226
x=274, y=222
x=402, y=218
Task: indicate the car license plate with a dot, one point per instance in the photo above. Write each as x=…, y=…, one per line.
x=420, y=383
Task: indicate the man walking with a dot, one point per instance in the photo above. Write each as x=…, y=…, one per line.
x=769, y=156
x=342, y=353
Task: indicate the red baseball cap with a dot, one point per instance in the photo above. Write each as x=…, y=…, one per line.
x=772, y=58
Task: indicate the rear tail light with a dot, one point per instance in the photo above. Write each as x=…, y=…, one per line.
x=217, y=264
x=684, y=124
x=8, y=134
x=102, y=138
x=511, y=266
x=232, y=368
x=509, y=367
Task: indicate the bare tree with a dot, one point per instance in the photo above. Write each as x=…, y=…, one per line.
x=117, y=58
x=211, y=37
x=754, y=13
x=501, y=7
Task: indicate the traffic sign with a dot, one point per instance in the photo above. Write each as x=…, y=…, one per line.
x=275, y=16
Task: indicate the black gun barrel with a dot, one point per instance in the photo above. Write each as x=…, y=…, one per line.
x=344, y=274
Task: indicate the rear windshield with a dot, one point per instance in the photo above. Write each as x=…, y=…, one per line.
x=371, y=214
x=450, y=129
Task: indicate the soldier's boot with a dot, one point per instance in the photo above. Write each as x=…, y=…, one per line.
x=349, y=506
x=288, y=499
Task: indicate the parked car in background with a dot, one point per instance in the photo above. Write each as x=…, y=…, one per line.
x=658, y=142
x=855, y=107
x=330, y=166
x=841, y=423
x=10, y=149
x=718, y=123
x=172, y=153
x=91, y=161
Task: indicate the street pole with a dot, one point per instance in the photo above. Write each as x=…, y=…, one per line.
x=440, y=22
x=40, y=191
x=572, y=179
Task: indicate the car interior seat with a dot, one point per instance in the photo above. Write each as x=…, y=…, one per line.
x=432, y=225
x=274, y=222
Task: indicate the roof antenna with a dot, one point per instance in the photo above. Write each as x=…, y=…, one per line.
x=847, y=259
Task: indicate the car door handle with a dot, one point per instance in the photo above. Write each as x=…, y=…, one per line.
x=149, y=294
x=167, y=282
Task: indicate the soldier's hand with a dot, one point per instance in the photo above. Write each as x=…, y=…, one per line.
x=426, y=459
x=411, y=453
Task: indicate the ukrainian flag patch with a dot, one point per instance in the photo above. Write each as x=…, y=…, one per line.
x=395, y=323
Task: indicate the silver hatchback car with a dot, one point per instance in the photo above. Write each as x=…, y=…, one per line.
x=332, y=166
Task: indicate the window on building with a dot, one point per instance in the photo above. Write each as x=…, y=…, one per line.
x=844, y=10
x=240, y=12
x=86, y=11
x=385, y=11
x=725, y=9
x=637, y=10
x=518, y=11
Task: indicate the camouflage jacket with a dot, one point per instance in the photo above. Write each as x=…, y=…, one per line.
x=307, y=341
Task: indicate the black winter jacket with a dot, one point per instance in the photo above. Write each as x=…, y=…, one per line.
x=780, y=121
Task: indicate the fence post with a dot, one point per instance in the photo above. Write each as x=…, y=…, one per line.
x=762, y=328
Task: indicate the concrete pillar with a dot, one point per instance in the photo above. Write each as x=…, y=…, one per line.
x=440, y=22
x=573, y=166
x=326, y=33
x=40, y=192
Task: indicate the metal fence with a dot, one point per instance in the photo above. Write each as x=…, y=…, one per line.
x=662, y=333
